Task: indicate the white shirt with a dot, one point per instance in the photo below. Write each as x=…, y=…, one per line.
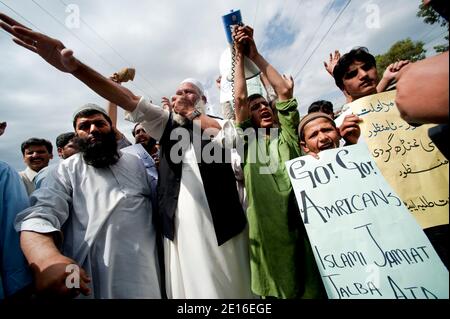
x=105, y=215
x=27, y=177
x=196, y=267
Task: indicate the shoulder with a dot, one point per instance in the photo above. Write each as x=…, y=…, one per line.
x=74, y=160
x=123, y=142
x=130, y=161
x=6, y=170
x=4, y=167
x=70, y=166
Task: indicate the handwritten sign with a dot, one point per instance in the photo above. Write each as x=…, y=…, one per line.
x=365, y=241
x=406, y=156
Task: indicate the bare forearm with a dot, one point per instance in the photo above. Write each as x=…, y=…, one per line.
x=382, y=85
x=106, y=88
x=38, y=248
x=112, y=112
x=240, y=90
x=275, y=78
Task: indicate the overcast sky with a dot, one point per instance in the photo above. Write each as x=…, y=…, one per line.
x=167, y=41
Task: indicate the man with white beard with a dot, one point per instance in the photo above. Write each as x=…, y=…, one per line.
x=206, y=241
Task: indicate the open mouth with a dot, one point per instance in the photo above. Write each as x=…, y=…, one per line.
x=326, y=146
x=266, y=115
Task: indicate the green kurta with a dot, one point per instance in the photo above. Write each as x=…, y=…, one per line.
x=282, y=263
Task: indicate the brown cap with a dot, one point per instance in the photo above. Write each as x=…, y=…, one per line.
x=310, y=117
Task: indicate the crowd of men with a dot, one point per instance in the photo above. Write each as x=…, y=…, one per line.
x=197, y=228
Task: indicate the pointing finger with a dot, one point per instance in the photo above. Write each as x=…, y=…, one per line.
x=11, y=21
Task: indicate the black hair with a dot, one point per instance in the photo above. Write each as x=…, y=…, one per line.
x=36, y=142
x=360, y=54
x=321, y=106
x=64, y=139
x=134, y=129
x=254, y=97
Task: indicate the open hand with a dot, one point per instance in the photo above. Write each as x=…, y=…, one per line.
x=350, y=130
x=392, y=70
x=51, y=50
x=332, y=62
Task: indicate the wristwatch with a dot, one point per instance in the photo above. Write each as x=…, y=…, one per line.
x=196, y=113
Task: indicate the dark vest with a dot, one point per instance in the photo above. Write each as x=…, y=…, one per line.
x=219, y=185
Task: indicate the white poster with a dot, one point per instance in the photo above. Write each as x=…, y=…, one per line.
x=365, y=241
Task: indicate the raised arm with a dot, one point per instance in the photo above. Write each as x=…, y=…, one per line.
x=334, y=59
x=123, y=75
x=283, y=87
x=240, y=37
x=55, y=53
x=390, y=74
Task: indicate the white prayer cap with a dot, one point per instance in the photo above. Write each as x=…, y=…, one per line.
x=90, y=107
x=196, y=83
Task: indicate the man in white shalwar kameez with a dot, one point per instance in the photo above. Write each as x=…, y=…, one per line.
x=103, y=214
x=196, y=265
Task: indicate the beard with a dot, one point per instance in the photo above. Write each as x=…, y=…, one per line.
x=101, y=153
x=200, y=105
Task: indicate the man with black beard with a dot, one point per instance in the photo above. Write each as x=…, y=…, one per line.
x=97, y=206
x=98, y=146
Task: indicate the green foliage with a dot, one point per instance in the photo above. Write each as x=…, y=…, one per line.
x=431, y=17
x=401, y=50
x=442, y=47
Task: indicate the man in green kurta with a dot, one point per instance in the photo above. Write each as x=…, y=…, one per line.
x=282, y=263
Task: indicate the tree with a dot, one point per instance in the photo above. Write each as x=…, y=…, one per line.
x=431, y=17
x=400, y=50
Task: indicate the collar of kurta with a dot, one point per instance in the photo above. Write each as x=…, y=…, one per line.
x=30, y=173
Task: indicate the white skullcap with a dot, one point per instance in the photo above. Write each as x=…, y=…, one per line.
x=90, y=107
x=196, y=83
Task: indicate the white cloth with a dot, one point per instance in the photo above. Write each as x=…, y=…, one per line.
x=196, y=267
x=106, y=217
x=196, y=83
x=150, y=167
x=27, y=177
x=29, y=173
